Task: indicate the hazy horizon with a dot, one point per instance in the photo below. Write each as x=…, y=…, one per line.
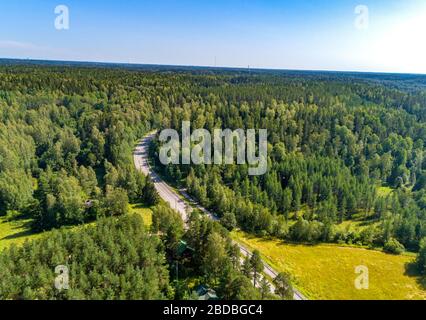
x=165, y=65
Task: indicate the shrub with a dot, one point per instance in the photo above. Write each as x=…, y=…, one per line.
x=393, y=246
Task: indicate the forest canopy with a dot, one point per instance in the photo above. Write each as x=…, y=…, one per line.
x=342, y=149
x=67, y=134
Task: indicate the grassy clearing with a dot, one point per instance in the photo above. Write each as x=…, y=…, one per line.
x=144, y=212
x=357, y=225
x=15, y=232
x=328, y=271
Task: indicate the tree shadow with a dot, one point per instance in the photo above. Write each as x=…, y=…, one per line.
x=18, y=235
x=140, y=206
x=367, y=222
x=280, y=242
x=27, y=226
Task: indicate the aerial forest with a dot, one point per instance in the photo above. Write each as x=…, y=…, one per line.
x=341, y=148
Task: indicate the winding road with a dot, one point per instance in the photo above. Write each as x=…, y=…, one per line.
x=174, y=198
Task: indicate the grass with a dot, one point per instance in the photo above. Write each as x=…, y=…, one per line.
x=144, y=212
x=15, y=232
x=357, y=225
x=327, y=272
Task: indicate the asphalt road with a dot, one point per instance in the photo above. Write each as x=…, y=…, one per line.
x=175, y=201
x=140, y=157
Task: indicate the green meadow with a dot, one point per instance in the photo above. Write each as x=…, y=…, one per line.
x=327, y=272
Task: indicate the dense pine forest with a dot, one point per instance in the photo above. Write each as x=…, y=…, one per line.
x=342, y=148
x=335, y=143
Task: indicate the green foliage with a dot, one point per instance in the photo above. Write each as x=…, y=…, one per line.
x=116, y=201
x=283, y=287
x=61, y=200
x=421, y=258
x=241, y=288
x=333, y=141
x=116, y=259
x=169, y=225
x=256, y=264
x=217, y=260
x=150, y=194
x=16, y=190
x=393, y=246
x=265, y=289
x=215, y=257
x=67, y=136
x=229, y=221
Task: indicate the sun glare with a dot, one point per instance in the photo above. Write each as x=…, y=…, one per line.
x=402, y=45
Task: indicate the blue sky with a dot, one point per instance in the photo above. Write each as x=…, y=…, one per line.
x=304, y=34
